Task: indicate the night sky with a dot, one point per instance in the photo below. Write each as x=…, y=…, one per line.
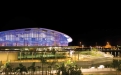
x=88, y=27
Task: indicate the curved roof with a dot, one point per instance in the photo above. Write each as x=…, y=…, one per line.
x=69, y=39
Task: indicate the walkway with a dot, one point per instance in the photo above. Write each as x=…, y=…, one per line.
x=95, y=71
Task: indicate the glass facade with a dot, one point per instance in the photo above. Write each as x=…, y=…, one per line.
x=33, y=37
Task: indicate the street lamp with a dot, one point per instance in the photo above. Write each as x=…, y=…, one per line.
x=80, y=44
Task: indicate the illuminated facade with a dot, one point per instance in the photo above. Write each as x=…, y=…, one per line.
x=34, y=37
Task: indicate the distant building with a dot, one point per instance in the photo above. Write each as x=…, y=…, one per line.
x=108, y=45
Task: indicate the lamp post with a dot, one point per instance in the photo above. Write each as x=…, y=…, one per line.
x=80, y=44
x=7, y=55
x=96, y=44
x=78, y=51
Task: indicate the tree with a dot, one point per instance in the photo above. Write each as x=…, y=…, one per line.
x=7, y=68
x=21, y=68
x=51, y=65
x=119, y=69
x=43, y=61
x=68, y=69
x=117, y=65
x=32, y=68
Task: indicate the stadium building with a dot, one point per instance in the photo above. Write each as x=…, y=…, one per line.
x=13, y=41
